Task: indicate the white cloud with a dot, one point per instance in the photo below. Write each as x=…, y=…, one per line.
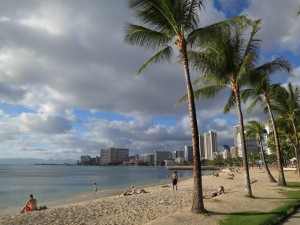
x=281, y=27
x=65, y=62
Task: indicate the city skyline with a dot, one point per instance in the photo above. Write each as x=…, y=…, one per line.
x=69, y=85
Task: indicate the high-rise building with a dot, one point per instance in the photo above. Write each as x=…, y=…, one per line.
x=201, y=147
x=148, y=158
x=160, y=156
x=266, y=136
x=188, y=153
x=111, y=156
x=85, y=159
x=178, y=154
x=234, y=152
x=209, y=144
x=251, y=143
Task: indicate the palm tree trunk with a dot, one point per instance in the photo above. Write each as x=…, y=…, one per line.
x=248, y=190
x=281, y=179
x=271, y=178
x=297, y=148
x=198, y=203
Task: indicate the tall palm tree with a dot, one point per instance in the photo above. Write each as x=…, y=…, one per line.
x=261, y=92
x=226, y=62
x=230, y=61
x=287, y=105
x=257, y=130
x=166, y=22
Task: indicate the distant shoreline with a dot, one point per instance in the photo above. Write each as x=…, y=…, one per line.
x=191, y=168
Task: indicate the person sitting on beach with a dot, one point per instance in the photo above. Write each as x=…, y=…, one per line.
x=30, y=205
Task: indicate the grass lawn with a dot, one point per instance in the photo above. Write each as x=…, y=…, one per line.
x=267, y=218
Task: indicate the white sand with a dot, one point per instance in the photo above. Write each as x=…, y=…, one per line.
x=164, y=206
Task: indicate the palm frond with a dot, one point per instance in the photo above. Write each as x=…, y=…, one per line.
x=144, y=37
x=191, y=13
x=276, y=65
x=204, y=34
x=230, y=103
x=155, y=14
x=208, y=91
x=252, y=48
x=164, y=54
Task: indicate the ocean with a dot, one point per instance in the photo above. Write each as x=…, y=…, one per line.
x=60, y=184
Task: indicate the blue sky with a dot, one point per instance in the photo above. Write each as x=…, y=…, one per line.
x=68, y=84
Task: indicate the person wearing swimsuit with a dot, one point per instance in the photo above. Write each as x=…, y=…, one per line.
x=174, y=180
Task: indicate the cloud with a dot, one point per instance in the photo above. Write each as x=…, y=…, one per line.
x=281, y=30
x=65, y=66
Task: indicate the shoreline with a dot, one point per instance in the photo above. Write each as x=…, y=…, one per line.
x=192, y=167
x=86, y=196
x=161, y=205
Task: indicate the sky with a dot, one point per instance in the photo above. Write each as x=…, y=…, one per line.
x=68, y=83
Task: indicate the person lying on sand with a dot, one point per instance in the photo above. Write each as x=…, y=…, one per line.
x=220, y=191
x=134, y=190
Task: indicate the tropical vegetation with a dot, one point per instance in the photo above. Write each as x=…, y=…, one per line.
x=167, y=22
x=226, y=54
x=287, y=105
x=257, y=130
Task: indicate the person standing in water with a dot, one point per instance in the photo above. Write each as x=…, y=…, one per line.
x=95, y=189
x=174, y=180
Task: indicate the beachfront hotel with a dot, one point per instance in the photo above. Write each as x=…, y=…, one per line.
x=113, y=156
x=251, y=142
x=208, y=145
x=161, y=156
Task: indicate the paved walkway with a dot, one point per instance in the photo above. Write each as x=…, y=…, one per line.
x=293, y=219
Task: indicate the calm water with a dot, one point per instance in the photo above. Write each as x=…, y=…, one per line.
x=53, y=185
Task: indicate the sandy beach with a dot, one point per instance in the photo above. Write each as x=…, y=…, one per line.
x=162, y=205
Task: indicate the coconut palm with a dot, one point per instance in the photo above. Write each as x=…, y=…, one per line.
x=261, y=92
x=257, y=130
x=166, y=22
x=226, y=62
x=287, y=105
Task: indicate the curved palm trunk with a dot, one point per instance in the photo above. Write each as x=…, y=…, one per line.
x=271, y=178
x=198, y=204
x=281, y=179
x=297, y=149
x=248, y=190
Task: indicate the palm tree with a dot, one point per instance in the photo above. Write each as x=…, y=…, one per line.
x=165, y=22
x=287, y=105
x=226, y=62
x=257, y=130
x=261, y=92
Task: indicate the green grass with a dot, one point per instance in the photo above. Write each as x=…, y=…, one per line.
x=267, y=218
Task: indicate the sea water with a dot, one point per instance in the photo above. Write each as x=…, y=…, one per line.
x=60, y=184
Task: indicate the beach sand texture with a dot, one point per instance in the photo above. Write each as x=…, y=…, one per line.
x=162, y=205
